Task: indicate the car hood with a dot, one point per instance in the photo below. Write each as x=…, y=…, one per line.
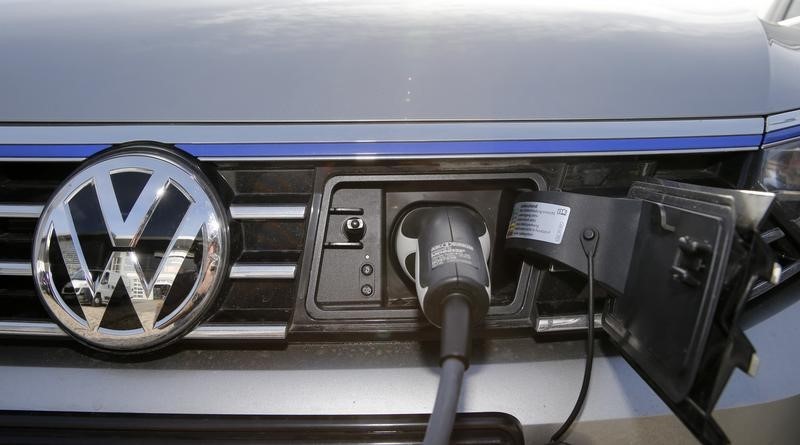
x=315, y=60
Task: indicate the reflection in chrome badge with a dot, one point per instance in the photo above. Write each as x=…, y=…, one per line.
x=129, y=250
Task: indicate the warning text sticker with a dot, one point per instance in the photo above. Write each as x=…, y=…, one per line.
x=452, y=252
x=540, y=221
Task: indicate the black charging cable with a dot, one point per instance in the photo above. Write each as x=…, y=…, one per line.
x=449, y=247
x=454, y=360
x=589, y=240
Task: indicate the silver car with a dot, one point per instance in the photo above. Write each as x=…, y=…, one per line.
x=291, y=222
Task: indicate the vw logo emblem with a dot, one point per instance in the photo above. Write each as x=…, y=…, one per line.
x=130, y=250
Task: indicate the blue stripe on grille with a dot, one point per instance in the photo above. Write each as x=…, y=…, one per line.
x=50, y=151
x=782, y=134
x=433, y=148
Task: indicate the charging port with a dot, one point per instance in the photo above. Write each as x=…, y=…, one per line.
x=336, y=302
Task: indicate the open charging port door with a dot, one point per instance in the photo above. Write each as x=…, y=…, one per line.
x=680, y=261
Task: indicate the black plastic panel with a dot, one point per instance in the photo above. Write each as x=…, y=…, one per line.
x=15, y=238
x=663, y=321
x=24, y=183
x=343, y=283
x=259, y=182
x=31, y=182
x=262, y=241
x=252, y=300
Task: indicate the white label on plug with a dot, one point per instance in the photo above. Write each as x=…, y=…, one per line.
x=540, y=221
x=450, y=252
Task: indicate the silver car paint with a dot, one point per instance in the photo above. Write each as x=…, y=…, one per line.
x=242, y=60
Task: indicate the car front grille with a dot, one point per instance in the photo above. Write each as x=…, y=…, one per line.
x=274, y=207
x=268, y=209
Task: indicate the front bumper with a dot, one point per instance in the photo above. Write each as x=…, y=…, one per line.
x=536, y=382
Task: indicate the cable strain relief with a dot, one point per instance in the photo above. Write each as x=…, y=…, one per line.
x=456, y=328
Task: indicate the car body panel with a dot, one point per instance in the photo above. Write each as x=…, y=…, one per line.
x=245, y=60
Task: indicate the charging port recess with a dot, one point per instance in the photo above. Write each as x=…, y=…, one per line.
x=337, y=302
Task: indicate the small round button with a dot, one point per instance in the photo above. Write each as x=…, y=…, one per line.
x=367, y=269
x=366, y=290
x=354, y=228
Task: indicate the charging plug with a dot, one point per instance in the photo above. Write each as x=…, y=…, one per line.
x=444, y=251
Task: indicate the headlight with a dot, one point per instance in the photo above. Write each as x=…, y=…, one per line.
x=780, y=173
x=780, y=169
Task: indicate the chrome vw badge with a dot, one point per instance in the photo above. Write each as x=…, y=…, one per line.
x=129, y=251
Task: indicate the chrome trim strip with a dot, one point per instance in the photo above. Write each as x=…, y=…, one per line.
x=20, y=269
x=31, y=328
x=244, y=211
x=20, y=210
x=32, y=159
x=375, y=131
x=469, y=156
x=566, y=323
x=268, y=271
x=272, y=331
x=275, y=331
x=783, y=120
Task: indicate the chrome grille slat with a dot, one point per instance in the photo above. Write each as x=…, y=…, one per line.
x=8, y=268
x=238, y=211
x=271, y=331
x=31, y=328
x=268, y=212
x=20, y=210
x=263, y=271
x=238, y=271
x=274, y=331
x=566, y=323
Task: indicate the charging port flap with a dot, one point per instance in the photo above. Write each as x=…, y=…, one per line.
x=684, y=260
x=693, y=264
